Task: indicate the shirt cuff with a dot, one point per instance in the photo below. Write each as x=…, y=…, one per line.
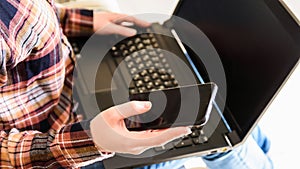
x=77, y=146
x=77, y=22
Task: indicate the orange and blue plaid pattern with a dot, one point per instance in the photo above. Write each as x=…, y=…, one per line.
x=38, y=127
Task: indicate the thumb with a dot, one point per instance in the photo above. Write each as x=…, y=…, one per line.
x=132, y=108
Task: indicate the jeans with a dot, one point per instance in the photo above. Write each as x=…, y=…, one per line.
x=251, y=155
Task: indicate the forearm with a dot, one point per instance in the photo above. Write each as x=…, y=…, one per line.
x=70, y=147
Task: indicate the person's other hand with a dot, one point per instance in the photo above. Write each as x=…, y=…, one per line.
x=110, y=134
x=111, y=23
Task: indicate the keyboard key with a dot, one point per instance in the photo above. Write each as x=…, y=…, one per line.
x=125, y=53
x=161, y=87
x=200, y=140
x=116, y=53
x=132, y=49
x=139, y=83
x=164, y=77
x=168, y=84
x=136, y=77
x=147, y=79
x=141, y=66
x=143, y=73
x=143, y=52
x=152, y=53
x=150, y=85
x=129, y=43
x=184, y=143
x=134, y=55
x=162, y=71
x=142, y=89
x=128, y=58
x=133, y=71
x=140, y=46
x=195, y=133
x=158, y=82
x=175, y=83
x=130, y=64
x=149, y=63
x=151, y=69
x=145, y=62
x=155, y=59
x=144, y=36
x=153, y=40
x=151, y=35
x=165, y=147
x=149, y=47
x=146, y=57
x=155, y=76
x=146, y=41
x=122, y=47
x=132, y=91
x=137, y=40
x=155, y=45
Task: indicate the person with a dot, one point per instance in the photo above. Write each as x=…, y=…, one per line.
x=39, y=128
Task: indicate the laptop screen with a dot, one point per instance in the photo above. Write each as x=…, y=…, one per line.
x=258, y=44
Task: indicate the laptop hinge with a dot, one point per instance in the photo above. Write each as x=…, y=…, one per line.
x=232, y=138
x=169, y=23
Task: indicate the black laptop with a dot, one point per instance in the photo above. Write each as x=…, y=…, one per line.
x=258, y=46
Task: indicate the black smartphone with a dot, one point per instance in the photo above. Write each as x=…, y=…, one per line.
x=180, y=106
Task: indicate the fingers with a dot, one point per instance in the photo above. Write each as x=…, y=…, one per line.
x=118, y=29
x=146, y=140
x=111, y=23
x=161, y=137
x=132, y=108
x=134, y=20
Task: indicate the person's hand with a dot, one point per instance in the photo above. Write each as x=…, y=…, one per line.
x=111, y=23
x=110, y=134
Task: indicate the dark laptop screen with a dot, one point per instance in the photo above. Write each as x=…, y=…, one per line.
x=257, y=46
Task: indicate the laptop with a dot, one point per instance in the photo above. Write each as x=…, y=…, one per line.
x=257, y=43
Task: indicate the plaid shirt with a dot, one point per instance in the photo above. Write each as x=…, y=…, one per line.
x=38, y=127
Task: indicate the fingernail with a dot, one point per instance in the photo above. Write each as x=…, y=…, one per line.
x=144, y=105
x=132, y=32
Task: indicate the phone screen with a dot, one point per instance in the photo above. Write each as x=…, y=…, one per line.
x=180, y=106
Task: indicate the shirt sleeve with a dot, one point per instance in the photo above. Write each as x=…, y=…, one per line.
x=3, y=55
x=74, y=21
x=71, y=147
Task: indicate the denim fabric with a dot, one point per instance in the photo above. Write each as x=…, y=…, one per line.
x=97, y=165
x=251, y=155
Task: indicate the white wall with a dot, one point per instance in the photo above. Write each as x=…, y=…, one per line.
x=282, y=124
x=140, y=7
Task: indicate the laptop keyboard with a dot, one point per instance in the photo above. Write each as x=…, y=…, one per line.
x=146, y=63
x=148, y=67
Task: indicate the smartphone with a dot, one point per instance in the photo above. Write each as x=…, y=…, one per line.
x=180, y=106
